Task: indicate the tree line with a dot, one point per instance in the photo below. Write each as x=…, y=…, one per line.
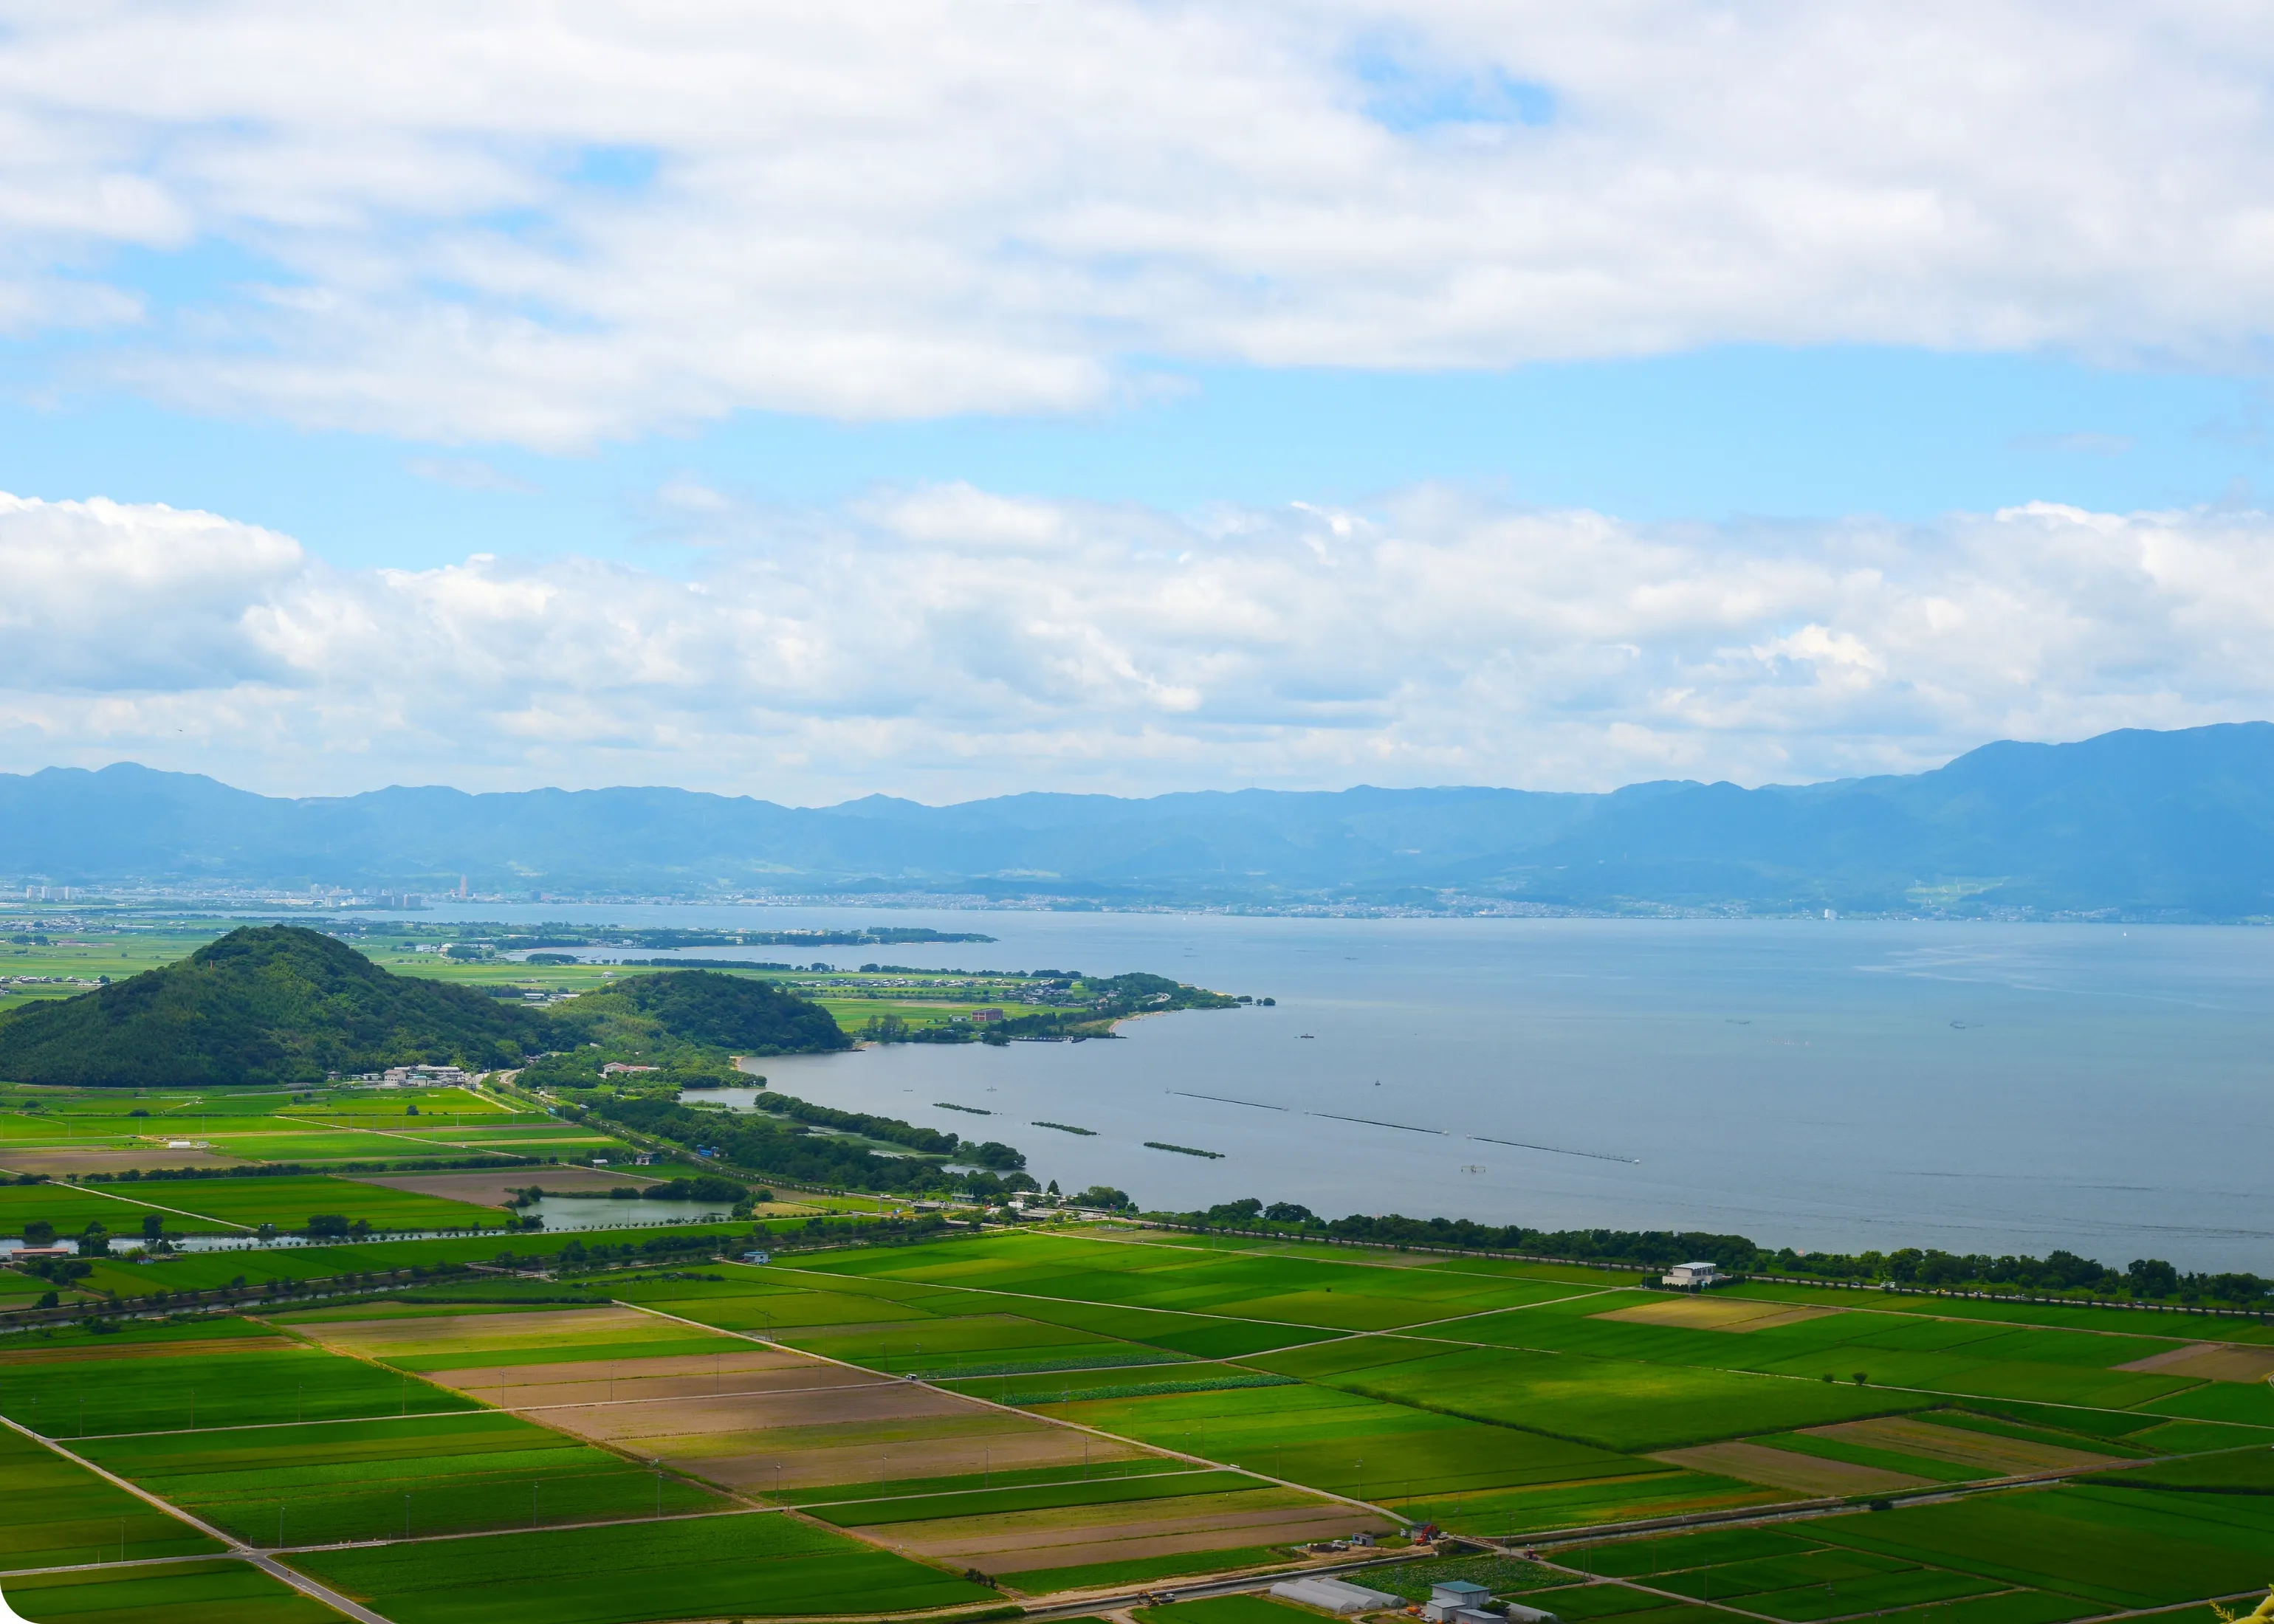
x=2057, y=1273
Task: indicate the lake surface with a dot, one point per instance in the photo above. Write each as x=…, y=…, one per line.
x=1830, y=1085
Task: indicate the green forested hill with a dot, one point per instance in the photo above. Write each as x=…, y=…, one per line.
x=264, y=1004
x=739, y=1014
x=686, y=1025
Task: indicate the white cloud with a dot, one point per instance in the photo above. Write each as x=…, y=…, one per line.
x=922, y=645
x=550, y=222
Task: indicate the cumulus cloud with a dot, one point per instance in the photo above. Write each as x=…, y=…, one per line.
x=553, y=222
x=946, y=642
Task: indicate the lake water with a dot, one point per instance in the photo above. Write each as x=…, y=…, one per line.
x=1831, y=1085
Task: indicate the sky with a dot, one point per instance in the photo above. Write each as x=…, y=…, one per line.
x=949, y=399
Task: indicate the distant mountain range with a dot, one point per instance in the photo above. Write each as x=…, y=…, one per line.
x=2134, y=824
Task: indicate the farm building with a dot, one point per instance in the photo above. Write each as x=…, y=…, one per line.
x=1692, y=1276
x=1459, y=1602
x=1334, y=1596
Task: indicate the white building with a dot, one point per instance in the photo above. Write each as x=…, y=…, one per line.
x=1692, y=1276
x=1335, y=1596
x=399, y=1075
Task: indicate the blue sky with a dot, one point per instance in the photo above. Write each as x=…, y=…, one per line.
x=809, y=403
x=1720, y=434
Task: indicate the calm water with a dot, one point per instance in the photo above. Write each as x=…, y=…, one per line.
x=1828, y=1084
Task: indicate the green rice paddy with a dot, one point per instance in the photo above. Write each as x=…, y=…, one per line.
x=76, y=1387
x=402, y=1478
x=217, y=1593
x=54, y=1513
x=755, y=1565
x=1225, y=1610
x=1145, y=1570
x=1490, y=1397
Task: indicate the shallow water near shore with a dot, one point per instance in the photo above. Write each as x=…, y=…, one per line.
x=1830, y=1085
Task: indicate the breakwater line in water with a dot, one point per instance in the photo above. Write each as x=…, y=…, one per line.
x=1556, y=1150
x=1372, y=1123
x=1403, y=1127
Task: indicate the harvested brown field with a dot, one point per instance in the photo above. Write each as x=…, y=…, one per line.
x=567, y=1326
x=847, y=1401
x=2210, y=1361
x=1992, y=1456
x=136, y=1158
x=604, y=1381
x=1009, y=1543
x=872, y=1431
x=1716, y=1314
x=752, y=1415
x=1782, y=1469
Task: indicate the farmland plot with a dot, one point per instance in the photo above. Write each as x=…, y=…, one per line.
x=54, y=1512
x=756, y=1565
x=215, y=1592
x=402, y=1478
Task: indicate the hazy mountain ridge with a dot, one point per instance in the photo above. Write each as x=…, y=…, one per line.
x=2140, y=823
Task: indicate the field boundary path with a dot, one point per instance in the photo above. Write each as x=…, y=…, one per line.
x=1029, y=1415
x=237, y=1548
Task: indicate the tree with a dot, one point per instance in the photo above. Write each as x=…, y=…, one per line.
x=1290, y=1211
x=95, y=1242
x=39, y=1232
x=153, y=1225
x=1244, y=1211
x=2151, y=1277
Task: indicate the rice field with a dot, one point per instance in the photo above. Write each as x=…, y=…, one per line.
x=1066, y=1412
x=216, y=1592
x=754, y=1564
x=2017, y=1557
x=407, y=1478
x=54, y=1512
x=211, y=1374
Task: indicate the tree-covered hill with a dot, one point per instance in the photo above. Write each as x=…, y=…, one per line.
x=682, y=1028
x=740, y=1014
x=264, y=1004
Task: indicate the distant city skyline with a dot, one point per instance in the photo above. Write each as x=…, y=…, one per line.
x=1406, y=396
